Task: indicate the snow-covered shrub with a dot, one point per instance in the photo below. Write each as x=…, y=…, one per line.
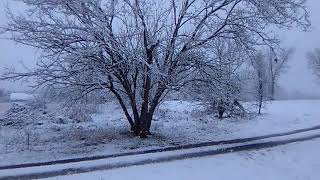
x=72, y=105
x=16, y=116
x=27, y=116
x=80, y=112
x=37, y=104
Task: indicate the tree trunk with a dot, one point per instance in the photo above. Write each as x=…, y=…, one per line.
x=136, y=128
x=221, y=109
x=272, y=89
x=146, y=116
x=121, y=102
x=145, y=128
x=137, y=121
x=260, y=106
x=144, y=107
x=220, y=113
x=260, y=96
x=149, y=125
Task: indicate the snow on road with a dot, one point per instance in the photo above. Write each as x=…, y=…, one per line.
x=298, y=161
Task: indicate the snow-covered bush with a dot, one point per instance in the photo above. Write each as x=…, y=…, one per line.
x=18, y=116
x=71, y=103
x=218, y=84
x=37, y=104
x=28, y=116
x=80, y=112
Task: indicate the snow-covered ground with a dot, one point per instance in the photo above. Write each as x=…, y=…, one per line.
x=176, y=123
x=299, y=161
x=21, y=97
x=284, y=115
x=4, y=107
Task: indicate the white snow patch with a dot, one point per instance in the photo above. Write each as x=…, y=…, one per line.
x=21, y=97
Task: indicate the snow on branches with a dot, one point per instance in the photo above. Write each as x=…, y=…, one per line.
x=140, y=50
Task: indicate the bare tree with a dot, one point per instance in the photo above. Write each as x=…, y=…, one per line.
x=260, y=79
x=277, y=64
x=140, y=50
x=267, y=67
x=217, y=83
x=314, y=61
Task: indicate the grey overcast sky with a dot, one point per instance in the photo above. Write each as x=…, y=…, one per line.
x=297, y=79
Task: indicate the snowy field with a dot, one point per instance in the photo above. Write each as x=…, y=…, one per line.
x=299, y=161
x=176, y=123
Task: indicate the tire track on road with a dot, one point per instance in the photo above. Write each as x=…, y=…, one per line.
x=247, y=147
x=166, y=149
